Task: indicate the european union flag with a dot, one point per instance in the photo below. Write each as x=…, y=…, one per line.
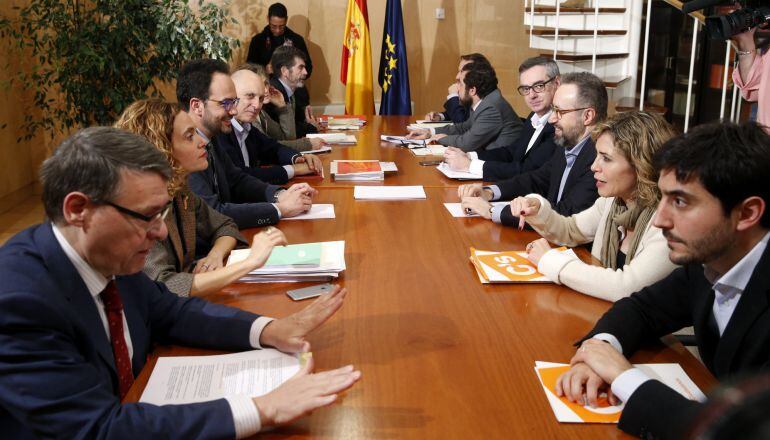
x=394, y=75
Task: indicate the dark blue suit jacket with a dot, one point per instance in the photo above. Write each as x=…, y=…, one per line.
x=504, y=163
x=263, y=151
x=579, y=190
x=454, y=111
x=57, y=373
x=236, y=194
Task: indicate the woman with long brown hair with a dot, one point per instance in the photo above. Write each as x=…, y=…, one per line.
x=173, y=260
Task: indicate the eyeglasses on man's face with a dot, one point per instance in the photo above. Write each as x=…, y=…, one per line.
x=150, y=220
x=227, y=104
x=560, y=112
x=537, y=87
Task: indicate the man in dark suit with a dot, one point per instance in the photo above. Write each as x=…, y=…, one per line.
x=538, y=79
x=714, y=215
x=454, y=111
x=289, y=75
x=566, y=180
x=251, y=150
x=492, y=122
x=79, y=318
x=206, y=92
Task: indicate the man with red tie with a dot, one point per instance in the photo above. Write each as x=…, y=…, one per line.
x=79, y=317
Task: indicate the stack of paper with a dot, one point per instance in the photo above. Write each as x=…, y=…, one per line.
x=429, y=150
x=459, y=175
x=361, y=170
x=335, y=138
x=427, y=125
x=403, y=141
x=389, y=193
x=324, y=149
x=343, y=122
x=191, y=379
x=297, y=262
x=507, y=267
x=672, y=375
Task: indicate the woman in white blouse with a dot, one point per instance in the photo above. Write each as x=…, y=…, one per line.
x=632, y=251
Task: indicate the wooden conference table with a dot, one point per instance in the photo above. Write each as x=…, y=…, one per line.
x=442, y=355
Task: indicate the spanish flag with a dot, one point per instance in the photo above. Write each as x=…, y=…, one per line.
x=356, y=72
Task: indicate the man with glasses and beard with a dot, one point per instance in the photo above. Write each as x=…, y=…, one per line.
x=206, y=92
x=566, y=180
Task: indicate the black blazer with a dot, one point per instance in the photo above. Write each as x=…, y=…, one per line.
x=454, y=111
x=263, y=152
x=685, y=298
x=579, y=190
x=235, y=194
x=514, y=159
x=301, y=100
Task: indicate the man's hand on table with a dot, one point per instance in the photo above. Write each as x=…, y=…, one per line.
x=595, y=367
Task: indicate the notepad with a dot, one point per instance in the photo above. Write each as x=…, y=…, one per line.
x=404, y=141
x=672, y=375
x=507, y=267
x=295, y=255
x=389, y=193
x=331, y=264
x=421, y=125
x=459, y=175
x=430, y=150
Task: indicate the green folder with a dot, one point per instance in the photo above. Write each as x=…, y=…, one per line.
x=307, y=254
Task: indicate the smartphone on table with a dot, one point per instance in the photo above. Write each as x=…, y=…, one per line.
x=309, y=292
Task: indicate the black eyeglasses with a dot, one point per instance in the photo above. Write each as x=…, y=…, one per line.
x=538, y=88
x=559, y=112
x=150, y=219
x=227, y=104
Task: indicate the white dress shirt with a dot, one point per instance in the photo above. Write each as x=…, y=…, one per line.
x=728, y=289
x=538, y=123
x=245, y=413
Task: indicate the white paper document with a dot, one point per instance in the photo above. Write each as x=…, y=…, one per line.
x=331, y=265
x=389, y=193
x=191, y=379
x=430, y=150
x=427, y=125
x=459, y=175
x=318, y=211
x=457, y=210
x=672, y=375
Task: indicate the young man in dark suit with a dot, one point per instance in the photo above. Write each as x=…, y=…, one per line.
x=714, y=215
x=206, y=92
x=538, y=79
x=79, y=317
x=566, y=180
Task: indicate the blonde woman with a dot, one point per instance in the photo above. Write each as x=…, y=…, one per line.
x=632, y=251
x=173, y=260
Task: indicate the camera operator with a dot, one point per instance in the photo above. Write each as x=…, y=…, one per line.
x=753, y=73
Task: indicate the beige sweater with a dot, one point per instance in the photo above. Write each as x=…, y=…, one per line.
x=650, y=263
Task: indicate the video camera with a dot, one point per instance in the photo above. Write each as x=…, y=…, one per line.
x=751, y=14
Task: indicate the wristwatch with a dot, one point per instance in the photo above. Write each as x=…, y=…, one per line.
x=277, y=193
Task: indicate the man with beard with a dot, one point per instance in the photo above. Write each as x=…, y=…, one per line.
x=252, y=151
x=714, y=215
x=538, y=79
x=453, y=110
x=492, y=122
x=289, y=74
x=566, y=180
x=206, y=92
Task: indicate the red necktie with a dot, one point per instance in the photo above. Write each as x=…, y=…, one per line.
x=114, y=308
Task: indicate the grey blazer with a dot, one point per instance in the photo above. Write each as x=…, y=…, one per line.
x=172, y=260
x=494, y=124
x=284, y=131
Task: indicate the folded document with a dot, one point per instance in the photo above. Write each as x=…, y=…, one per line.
x=296, y=262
